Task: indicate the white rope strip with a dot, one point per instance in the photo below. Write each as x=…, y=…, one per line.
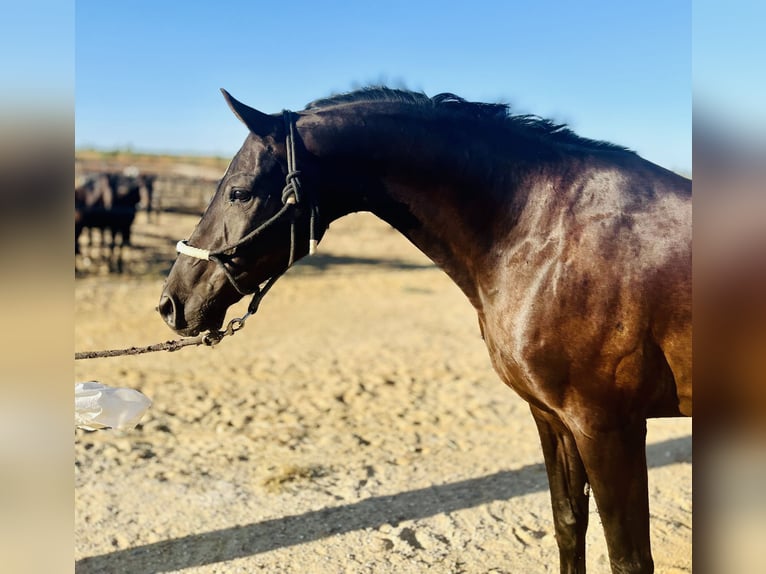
x=197, y=253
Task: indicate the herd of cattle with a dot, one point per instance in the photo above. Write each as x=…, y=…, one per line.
x=107, y=202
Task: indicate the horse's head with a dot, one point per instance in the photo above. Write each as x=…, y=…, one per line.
x=253, y=229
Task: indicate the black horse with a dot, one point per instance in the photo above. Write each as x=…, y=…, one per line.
x=108, y=202
x=576, y=255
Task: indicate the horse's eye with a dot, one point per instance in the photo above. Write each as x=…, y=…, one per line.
x=240, y=194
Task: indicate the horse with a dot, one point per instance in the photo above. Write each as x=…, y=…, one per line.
x=108, y=202
x=575, y=254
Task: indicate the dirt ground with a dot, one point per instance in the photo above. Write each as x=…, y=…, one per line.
x=354, y=425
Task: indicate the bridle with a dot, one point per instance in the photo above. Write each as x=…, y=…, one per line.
x=292, y=197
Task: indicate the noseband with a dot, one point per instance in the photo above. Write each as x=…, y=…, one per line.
x=292, y=197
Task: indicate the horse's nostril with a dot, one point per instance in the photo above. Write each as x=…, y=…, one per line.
x=167, y=308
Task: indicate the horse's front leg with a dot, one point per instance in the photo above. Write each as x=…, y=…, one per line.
x=615, y=461
x=567, y=481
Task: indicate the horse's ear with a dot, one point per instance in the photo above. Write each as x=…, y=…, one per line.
x=257, y=122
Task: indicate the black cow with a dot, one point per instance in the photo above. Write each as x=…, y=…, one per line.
x=108, y=202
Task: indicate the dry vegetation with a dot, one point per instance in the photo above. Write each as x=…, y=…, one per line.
x=115, y=160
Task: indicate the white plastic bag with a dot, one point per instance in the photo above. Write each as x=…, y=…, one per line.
x=98, y=406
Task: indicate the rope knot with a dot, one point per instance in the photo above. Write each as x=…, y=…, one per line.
x=291, y=191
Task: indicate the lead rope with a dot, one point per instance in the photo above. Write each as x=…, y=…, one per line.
x=210, y=339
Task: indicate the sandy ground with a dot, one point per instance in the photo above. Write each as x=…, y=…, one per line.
x=354, y=426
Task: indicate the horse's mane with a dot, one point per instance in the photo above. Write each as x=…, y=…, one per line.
x=498, y=113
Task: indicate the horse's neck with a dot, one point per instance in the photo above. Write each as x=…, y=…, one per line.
x=420, y=182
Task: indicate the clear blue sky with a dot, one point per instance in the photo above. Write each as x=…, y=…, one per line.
x=147, y=73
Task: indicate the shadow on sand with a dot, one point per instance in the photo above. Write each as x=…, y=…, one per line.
x=241, y=541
